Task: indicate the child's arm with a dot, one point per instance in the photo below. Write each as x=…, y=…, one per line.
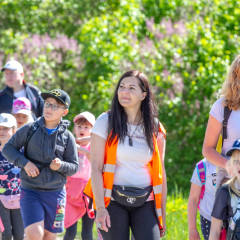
x=83, y=140
x=84, y=151
x=193, y=201
x=69, y=165
x=12, y=147
x=216, y=226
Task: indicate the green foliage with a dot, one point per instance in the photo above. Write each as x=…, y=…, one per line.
x=184, y=47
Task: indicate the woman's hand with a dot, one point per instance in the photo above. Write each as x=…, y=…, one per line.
x=194, y=235
x=103, y=218
x=163, y=231
x=31, y=169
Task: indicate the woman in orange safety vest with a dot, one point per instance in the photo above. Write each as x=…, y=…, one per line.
x=128, y=181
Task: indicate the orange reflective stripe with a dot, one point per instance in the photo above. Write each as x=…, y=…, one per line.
x=157, y=189
x=159, y=212
x=107, y=193
x=110, y=168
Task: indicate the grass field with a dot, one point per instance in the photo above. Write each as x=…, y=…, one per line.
x=177, y=226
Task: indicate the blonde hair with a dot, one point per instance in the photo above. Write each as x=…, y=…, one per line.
x=231, y=86
x=231, y=182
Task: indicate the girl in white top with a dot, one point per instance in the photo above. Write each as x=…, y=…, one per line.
x=132, y=120
x=230, y=98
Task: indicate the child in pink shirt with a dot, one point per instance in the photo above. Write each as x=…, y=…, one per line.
x=76, y=201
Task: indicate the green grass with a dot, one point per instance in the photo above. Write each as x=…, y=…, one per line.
x=177, y=224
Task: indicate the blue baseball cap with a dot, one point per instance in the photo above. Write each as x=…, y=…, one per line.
x=236, y=146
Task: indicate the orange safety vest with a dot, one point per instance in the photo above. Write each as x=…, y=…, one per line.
x=108, y=176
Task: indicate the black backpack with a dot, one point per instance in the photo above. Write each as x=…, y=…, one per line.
x=31, y=131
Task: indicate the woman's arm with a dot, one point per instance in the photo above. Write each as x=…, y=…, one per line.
x=97, y=161
x=162, y=147
x=216, y=226
x=193, y=201
x=213, y=131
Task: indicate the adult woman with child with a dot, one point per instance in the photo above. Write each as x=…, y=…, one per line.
x=224, y=119
x=128, y=184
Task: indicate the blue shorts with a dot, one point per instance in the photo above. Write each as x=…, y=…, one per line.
x=37, y=206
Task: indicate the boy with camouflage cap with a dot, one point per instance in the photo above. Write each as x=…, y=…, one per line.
x=50, y=156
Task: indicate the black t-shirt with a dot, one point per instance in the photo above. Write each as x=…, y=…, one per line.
x=221, y=210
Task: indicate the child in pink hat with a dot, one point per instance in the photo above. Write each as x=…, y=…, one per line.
x=22, y=111
x=77, y=204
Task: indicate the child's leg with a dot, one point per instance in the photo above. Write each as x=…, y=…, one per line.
x=71, y=232
x=34, y=231
x=17, y=224
x=49, y=235
x=6, y=220
x=87, y=225
x=33, y=215
x=205, y=227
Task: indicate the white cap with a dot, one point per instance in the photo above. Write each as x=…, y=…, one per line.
x=90, y=117
x=13, y=65
x=7, y=120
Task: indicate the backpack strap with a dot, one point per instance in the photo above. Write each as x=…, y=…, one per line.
x=227, y=113
x=31, y=131
x=201, y=171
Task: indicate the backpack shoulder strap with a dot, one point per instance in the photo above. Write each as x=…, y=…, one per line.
x=201, y=171
x=33, y=128
x=227, y=113
x=65, y=138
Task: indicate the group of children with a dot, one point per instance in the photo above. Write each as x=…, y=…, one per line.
x=43, y=171
x=219, y=208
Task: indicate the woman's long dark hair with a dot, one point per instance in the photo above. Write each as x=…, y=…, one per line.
x=117, y=123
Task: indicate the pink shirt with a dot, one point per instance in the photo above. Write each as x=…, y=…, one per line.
x=84, y=171
x=76, y=201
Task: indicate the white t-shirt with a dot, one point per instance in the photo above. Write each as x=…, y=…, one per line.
x=131, y=163
x=21, y=93
x=206, y=204
x=233, y=127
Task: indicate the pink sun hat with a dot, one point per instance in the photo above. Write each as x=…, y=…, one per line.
x=89, y=116
x=22, y=105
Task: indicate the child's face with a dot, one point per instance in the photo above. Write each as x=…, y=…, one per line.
x=21, y=118
x=5, y=134
x=53, y=115
x=236, y=166
x=82, y=130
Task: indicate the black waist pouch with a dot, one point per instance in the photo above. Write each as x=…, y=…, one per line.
x=131, y=196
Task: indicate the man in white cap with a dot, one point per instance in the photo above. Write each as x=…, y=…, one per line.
x=17, y=87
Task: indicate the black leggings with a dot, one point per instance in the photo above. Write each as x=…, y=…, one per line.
x=12, y=222
x=205, y=227
x=142, y=221
x=87, y=225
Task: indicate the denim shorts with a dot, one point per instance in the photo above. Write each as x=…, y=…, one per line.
x=37, y=206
